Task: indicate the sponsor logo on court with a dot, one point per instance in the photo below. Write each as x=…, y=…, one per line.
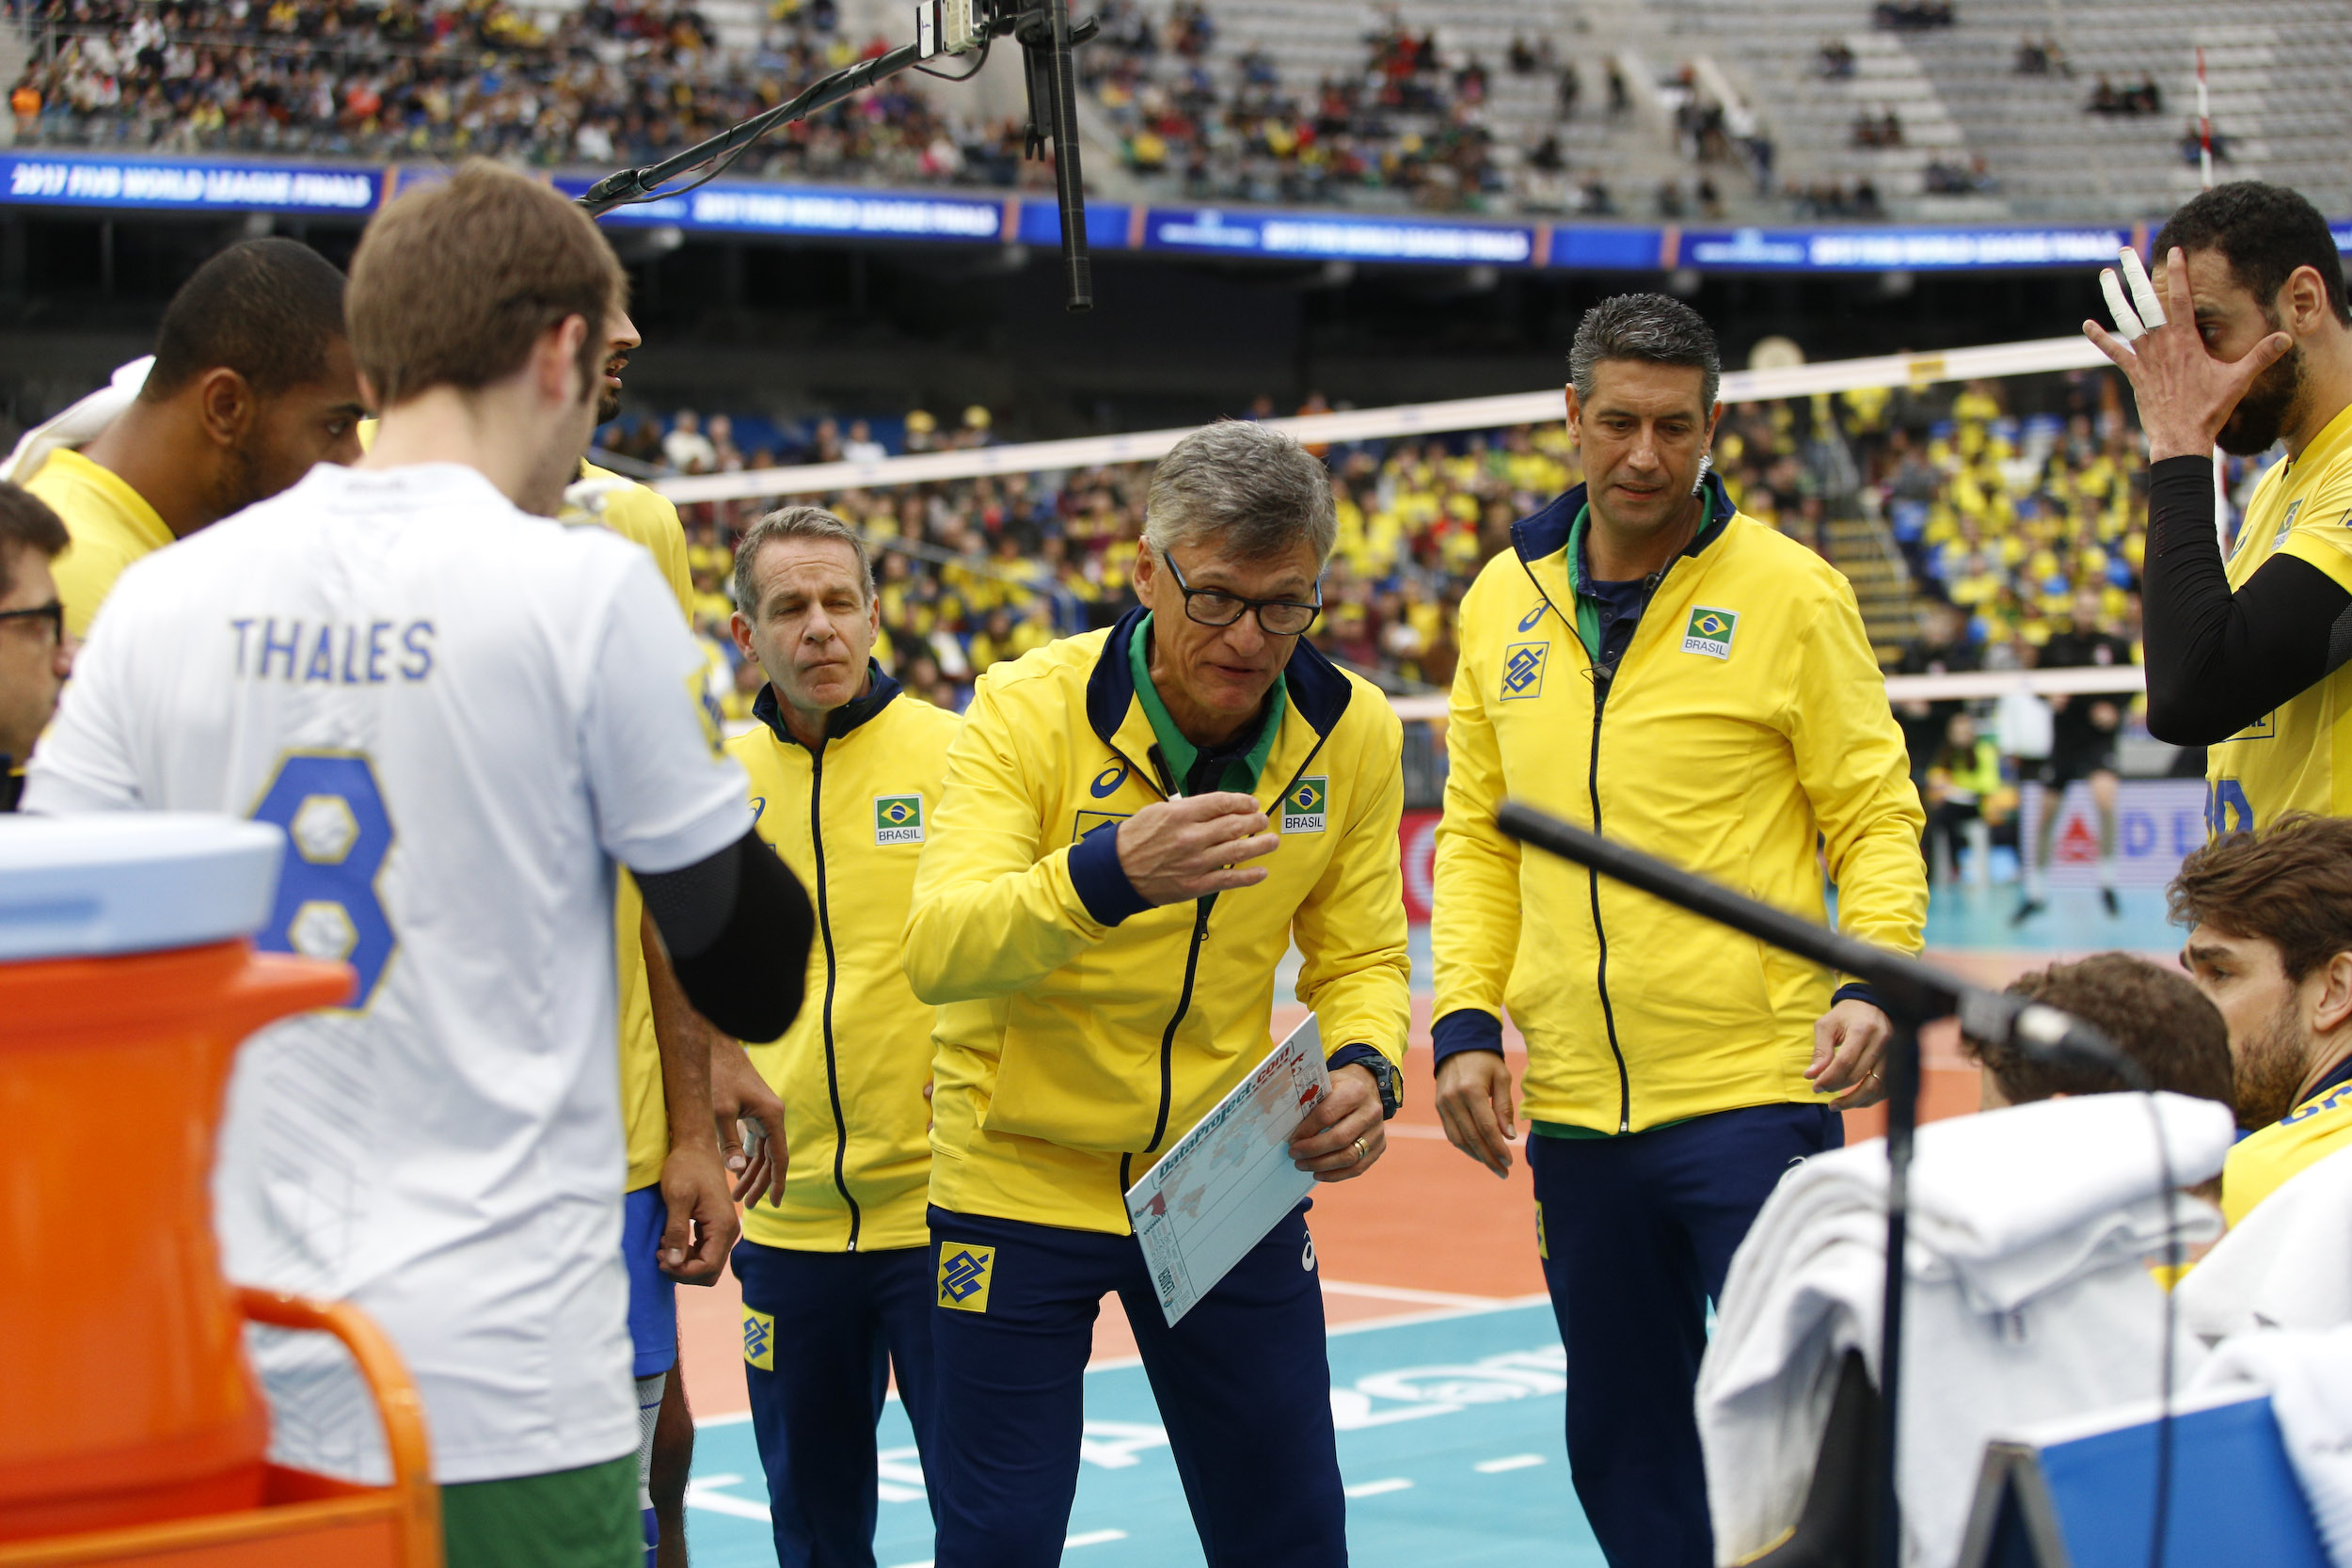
x=1305, y=806
x=965, y=1274
x=760, y=1339
x=1523, y=669
x=898, y=819
x=1710, y=631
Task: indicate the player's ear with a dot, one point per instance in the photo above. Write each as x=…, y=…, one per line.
x=2305, y=301
x=226, y=406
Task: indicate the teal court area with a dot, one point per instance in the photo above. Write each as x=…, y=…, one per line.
x=1449, y=1446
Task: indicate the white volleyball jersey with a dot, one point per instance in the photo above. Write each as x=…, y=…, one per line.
x=462, y=715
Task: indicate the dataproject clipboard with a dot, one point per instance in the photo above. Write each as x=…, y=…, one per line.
x=1229, y=1180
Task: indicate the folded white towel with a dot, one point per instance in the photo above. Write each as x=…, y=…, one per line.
x=2029, y=1298
x=80, y=423
x=2310, y=1379
x=2287, y=1264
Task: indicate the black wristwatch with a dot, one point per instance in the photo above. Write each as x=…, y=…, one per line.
x=1384, y=1074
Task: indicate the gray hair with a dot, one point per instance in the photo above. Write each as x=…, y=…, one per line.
x=1652, y=327
x=795, y=522
x=1250, y=490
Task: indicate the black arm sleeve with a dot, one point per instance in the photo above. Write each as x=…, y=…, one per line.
x=738, y=928
x=2218, y=662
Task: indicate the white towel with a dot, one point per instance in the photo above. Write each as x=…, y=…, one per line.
x=2310, y=1379
x=2287, y=1264
x=2029, y=1298
x=80, y=423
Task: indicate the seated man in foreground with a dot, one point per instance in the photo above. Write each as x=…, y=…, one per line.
x=2156, y=1017
x=2270, y=942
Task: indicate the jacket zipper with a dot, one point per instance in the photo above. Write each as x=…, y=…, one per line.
x=1600, y=932
x=1192, y=969
x=824, y=925
x=1602, y=681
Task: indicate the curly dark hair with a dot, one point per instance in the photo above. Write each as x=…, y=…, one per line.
x=2265, y=231
x=2156, y=1016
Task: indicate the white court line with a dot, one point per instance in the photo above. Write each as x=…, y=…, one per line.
x=1406, y=1293
x=1413, y=1129
x=1376, y=1488
x=703, y=1492
x=1090, y=1537
x=1514, y=1462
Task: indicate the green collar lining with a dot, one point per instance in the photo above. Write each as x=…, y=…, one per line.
x=1182, y=755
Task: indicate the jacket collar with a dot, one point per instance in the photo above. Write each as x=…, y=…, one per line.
x=841, y=721
x=1547, y=532
x=1317, y=689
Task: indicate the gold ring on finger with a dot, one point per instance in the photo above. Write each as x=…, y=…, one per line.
x=1359, y=1152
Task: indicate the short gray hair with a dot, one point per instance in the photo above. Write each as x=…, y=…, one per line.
x=1251, y=490
x=795, y=522
x=1653, y=327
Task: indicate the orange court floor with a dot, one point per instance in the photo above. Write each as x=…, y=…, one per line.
x=1427, y=1229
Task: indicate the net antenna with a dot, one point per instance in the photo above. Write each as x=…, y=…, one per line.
x=1047, y=37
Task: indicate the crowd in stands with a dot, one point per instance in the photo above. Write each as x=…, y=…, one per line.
x=2107, y=99
x=627, y=82
x=613, y=81
x=2042, y=57
x=1911, y=16
x=2003, y=519
x=1407, y=122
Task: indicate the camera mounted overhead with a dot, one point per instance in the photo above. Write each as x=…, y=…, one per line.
x=1047, y=37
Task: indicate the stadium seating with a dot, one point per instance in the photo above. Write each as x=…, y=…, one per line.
x=2002, y=514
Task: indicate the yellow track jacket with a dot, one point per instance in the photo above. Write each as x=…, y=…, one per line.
x=1745, y=731
x=1082, y=1033
x=851, y=822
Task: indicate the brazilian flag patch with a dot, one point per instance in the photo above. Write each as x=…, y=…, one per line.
x=1305, y=806
x=1710, y=631
x=898, y=819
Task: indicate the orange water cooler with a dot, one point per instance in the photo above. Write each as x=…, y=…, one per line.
x=132, y=1430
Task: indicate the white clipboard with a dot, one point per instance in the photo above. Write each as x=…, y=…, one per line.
x=1229, y=1180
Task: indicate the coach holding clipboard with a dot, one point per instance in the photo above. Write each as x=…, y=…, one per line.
x=1136, y=823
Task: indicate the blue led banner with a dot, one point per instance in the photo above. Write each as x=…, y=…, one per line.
x=745, y=207
x=1337, y=237
x=188, y=185
x=958, y=216
x=1894, y=250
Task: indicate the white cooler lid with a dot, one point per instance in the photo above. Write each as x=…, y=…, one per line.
x=132, y=882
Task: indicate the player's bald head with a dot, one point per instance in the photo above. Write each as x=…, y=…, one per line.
x=269, y=309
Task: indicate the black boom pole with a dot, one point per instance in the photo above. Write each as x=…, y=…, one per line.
x=1913, y=993
x=1046, y=36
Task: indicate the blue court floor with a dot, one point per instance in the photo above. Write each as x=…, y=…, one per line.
x=1450, y=1446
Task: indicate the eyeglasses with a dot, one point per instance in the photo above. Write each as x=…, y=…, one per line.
x=1213, y=607
x=54, y=612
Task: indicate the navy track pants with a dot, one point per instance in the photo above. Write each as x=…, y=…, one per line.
x=1243, y=1385
x=841, y=1321
x=1637, y=1233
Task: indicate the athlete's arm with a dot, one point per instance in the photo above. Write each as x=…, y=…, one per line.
x=701, y=1228
x=737, y=926
x=2217, y=661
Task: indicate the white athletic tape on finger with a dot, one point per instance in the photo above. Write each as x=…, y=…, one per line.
x=2143, y=291
x=2127, y=323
